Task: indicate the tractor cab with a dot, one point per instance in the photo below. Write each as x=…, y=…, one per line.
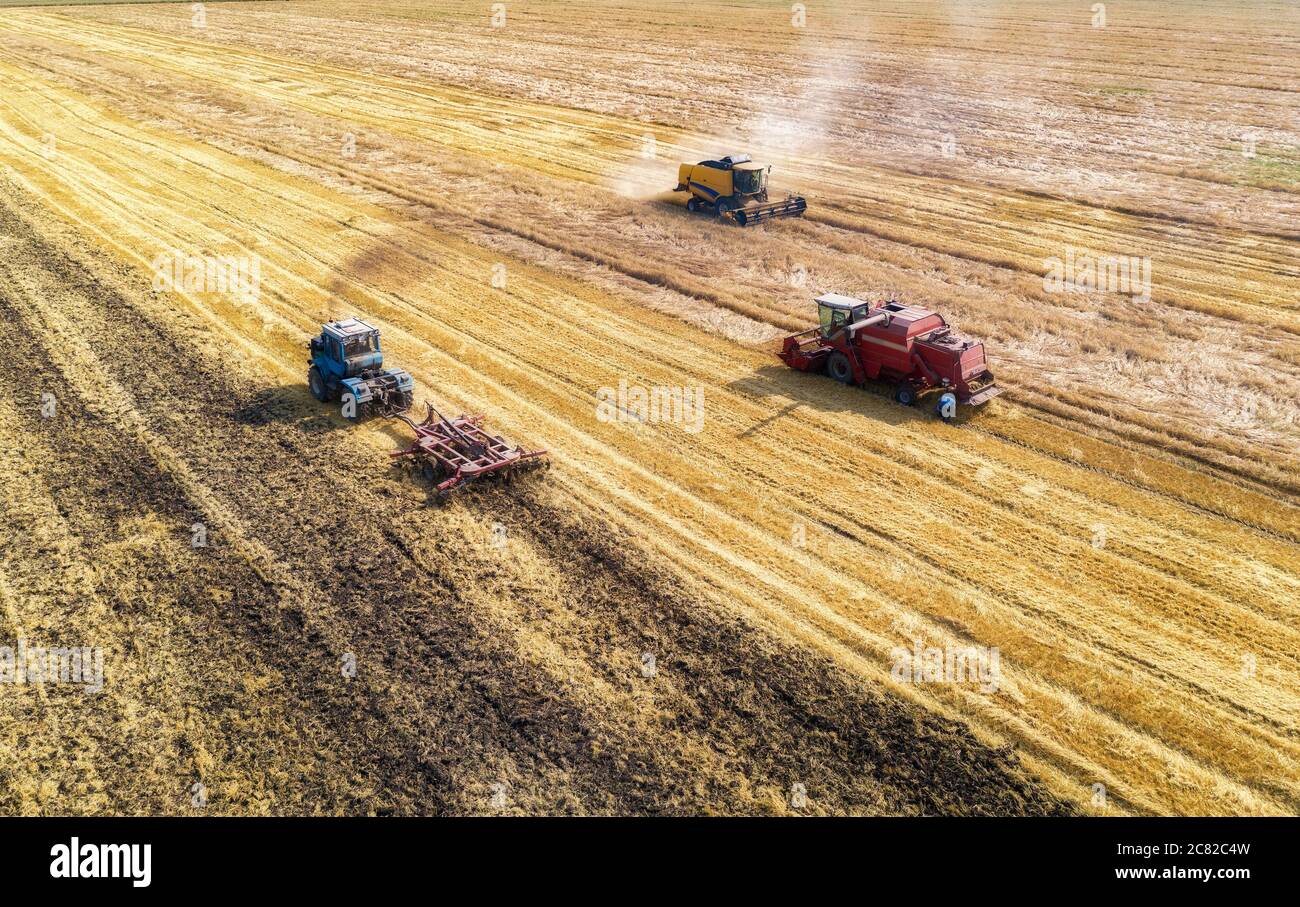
x=347, y=348
x=747, y=178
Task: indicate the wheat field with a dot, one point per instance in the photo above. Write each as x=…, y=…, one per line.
x=1121, y=524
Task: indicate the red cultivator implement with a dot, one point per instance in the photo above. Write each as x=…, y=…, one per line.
x=450, y=453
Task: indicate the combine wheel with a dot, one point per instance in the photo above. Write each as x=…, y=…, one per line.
x=317, y=385
x=838, y=368
x=692, y=204
x=905, y=394
x=723, y=207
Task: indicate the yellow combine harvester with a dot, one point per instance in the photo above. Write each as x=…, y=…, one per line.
x=736, y=189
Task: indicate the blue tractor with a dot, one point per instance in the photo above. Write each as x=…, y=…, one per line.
x=347, y=363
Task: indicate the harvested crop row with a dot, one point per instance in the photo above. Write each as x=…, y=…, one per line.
x=1130, y=647
x=487, y=677
x=1141, y=372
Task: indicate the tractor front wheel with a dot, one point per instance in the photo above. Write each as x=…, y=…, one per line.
x=838, y=368
x=905, y=393
x=317, y=385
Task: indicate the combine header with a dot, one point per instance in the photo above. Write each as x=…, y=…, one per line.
x=735, y=188
x=911, y=347
x=451, y=453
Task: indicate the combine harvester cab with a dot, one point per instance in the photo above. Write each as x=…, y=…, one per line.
x=735, y=188
x=912, y=348
x=347, y=360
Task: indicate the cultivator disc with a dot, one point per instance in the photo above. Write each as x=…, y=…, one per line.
x=453, y=453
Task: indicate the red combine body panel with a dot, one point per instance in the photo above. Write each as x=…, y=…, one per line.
x=910, y=347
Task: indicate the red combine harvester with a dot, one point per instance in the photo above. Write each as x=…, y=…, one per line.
x=910, y=347
x=451, y=453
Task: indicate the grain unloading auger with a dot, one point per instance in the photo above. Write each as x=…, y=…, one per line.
x=451, y=453
x=735, y=188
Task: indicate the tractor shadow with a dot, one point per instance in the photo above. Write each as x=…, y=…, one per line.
x=815, y=391
x=289, y=404
x=293, y=404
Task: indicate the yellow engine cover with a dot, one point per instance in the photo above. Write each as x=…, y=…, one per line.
x=705, y=183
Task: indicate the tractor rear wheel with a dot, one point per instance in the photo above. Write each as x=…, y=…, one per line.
x=838, y=368
x=905, y=394
x=317, y=385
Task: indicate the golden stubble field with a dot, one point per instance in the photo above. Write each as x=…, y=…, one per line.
x=1121, y=524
